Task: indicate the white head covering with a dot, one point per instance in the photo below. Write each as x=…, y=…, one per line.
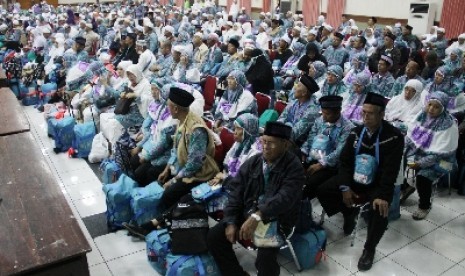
x=400, y=109
x=169, y=29
x=441, y=30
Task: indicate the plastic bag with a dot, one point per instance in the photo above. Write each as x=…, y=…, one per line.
x=99, y=149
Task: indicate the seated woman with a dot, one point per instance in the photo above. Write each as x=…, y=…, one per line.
x=358, y=65
x=260, y=74
x=454, y=61
x=139, y=90
x=443, y=81
x=353, y=105
x=403, y=108
x=431, y=143
x=150, y=156
x=312, y=54
x=246, y=144
x=317, y=70
x=289, y=71
x=235, y=101
x=333, y=85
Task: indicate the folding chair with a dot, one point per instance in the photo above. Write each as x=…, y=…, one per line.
x=279, y=106
x=263, y=102
x=209, y=93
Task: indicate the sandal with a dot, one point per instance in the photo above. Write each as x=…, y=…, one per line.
x=421, y=214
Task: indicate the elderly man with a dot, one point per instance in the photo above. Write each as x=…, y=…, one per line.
x=200, y=50
x=214, y=55
x=146, y=58
x=151, y=37
x=164, y=60
x=460, y=44
x=336, y=54
x=267, y=189
x=440, y=43
x=321, y=151
x=368, y=168
x=301, y=114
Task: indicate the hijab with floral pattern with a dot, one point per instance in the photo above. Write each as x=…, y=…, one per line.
x=249, y=123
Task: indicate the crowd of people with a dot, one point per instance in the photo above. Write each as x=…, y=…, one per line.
x=364, y=106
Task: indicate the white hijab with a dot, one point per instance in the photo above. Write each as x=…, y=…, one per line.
x=400, y=109
x=142, y=89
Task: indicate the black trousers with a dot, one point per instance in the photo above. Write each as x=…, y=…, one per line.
x=145, y=173
x=175, y=192
x=222, y=251
x=316, y=179
x=330, y=198
x=425, y=190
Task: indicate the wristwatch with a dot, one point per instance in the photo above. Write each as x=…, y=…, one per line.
x=256, y=217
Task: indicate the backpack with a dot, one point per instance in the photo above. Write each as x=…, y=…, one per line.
x=202, y=265
x=118, y=198
x=122, y=153
x=188, y=227
x=145, y=201
x=63, y=133
x=158, y=243
x=309, y=247
x=110, y=171
x=83, y=137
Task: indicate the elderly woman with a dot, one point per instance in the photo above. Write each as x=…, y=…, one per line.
x=138, y=90
x=150, y=156
x=454, y=61
x=431, y=143
x=358, y=65
x=333, y=85
x=235, y=101
x=403, y=108
x=317, y=70
x=352, y=106
x=246, y=144
x=443, y=81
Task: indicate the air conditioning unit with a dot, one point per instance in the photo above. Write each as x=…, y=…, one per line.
x=421, y=17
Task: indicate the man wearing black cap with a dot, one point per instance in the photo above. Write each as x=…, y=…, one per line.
x=412, y=41
x=336, y=54
x=232, y=61
x=321, y=151
x=78, y=48
x=368, y=168
x=192, y=162
x=268, y=188
x=301, y=114
x=129, y=52
x=387, y=49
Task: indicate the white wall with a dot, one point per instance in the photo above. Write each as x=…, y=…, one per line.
x=387, y=8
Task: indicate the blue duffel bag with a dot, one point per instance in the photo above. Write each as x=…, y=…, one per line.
x=118, y=198
x=83, y=137
x=145, y=201
x=158, y=243
x=309, y=247
x=63, y=133
x=188, y=265
x=110, y=171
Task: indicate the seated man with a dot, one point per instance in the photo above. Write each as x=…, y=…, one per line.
x=301, y=114
x=321, y=151
x=381, y=145
x=268, y=188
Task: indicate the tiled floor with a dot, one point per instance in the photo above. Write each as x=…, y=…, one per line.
x=435, y=246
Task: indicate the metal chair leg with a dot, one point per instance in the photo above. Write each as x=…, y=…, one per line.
x=448, y=180
x=294, y=256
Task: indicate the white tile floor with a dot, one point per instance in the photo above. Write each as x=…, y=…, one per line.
x=435, y=246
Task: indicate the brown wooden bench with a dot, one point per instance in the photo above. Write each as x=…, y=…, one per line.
x=12, y=117
x=38, y=232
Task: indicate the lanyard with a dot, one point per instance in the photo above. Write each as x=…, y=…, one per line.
x=359, y=143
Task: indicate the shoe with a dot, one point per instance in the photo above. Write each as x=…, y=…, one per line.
x=366, y=260
x=349, y=221
x=421, y=214
x=136, y=230
x=406, y=193
x=41, y=108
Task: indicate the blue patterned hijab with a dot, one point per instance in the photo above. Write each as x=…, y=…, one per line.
x=249, y=123
x=232, y=95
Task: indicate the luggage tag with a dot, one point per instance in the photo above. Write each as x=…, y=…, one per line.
x=262, y=229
